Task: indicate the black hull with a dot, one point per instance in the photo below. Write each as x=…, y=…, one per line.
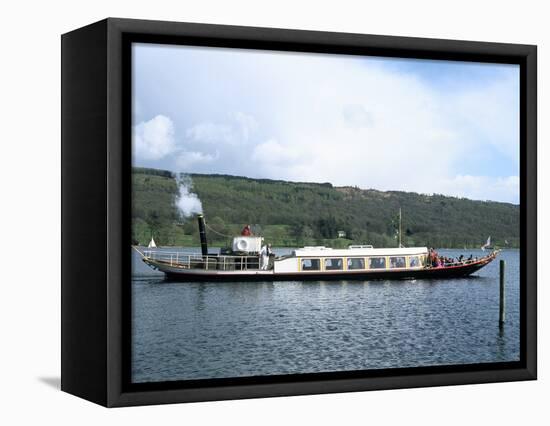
x=458, y=271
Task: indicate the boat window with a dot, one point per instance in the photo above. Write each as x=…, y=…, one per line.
x=377, y=262
x=414, y=261
x=397, y=262
x=311, y=264
x=334, y=264
x=356, y=263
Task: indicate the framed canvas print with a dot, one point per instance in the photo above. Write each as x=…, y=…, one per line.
x=252, y=212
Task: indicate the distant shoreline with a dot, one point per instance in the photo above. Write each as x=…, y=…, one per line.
x=299, y=214
x=137, y=169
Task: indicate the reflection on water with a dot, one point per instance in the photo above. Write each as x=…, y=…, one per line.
x=211, y=330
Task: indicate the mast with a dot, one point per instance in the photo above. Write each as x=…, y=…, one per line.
x=400, y=227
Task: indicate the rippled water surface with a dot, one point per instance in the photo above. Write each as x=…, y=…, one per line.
x=187, y=331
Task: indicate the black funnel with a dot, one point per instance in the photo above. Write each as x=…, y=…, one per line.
x=202, y=234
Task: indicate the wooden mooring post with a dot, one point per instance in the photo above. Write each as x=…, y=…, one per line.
x=502, y=305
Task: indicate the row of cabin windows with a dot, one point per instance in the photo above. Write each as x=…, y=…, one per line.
x=354, y=263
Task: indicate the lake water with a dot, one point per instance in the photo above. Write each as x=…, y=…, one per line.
x=185, y=331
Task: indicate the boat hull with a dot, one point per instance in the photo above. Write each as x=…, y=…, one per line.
x=452, y=271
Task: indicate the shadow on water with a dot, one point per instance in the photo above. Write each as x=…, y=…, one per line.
x=148, y=279
x=398, y=282
x=163, y=280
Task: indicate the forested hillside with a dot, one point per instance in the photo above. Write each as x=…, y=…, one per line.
x=295, y=214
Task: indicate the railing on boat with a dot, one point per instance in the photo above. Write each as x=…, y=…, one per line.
x=198, y=261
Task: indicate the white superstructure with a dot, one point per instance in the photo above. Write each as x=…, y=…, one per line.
x=353, y=259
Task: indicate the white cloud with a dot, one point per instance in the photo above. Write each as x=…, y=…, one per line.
x=188, y=159
x=482, y=187
x=273, y=152
x=153, y=139
x=273, y=159
x=211, y=133
x=357, y=116
x=235, y=130
x=247, y=124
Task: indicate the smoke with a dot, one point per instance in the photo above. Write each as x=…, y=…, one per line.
x=187, y=201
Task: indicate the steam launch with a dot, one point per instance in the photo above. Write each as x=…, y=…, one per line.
x=248, y=258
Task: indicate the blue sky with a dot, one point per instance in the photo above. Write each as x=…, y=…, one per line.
x=390, y=124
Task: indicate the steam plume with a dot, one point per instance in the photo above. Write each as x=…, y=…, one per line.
x=187, y=201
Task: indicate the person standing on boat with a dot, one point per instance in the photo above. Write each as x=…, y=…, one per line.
x=269, y=251
x=246, y=232
x=265, y=253
x=433, y=256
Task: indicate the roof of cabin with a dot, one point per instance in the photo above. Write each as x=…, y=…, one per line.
x=329, y=252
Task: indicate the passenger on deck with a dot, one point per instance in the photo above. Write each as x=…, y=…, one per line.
x=246, y=232
x=433, y=257
x=265, y=253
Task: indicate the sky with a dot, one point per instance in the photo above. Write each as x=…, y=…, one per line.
x=424, y=126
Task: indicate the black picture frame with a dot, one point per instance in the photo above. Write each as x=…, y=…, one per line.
x=96, y=131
